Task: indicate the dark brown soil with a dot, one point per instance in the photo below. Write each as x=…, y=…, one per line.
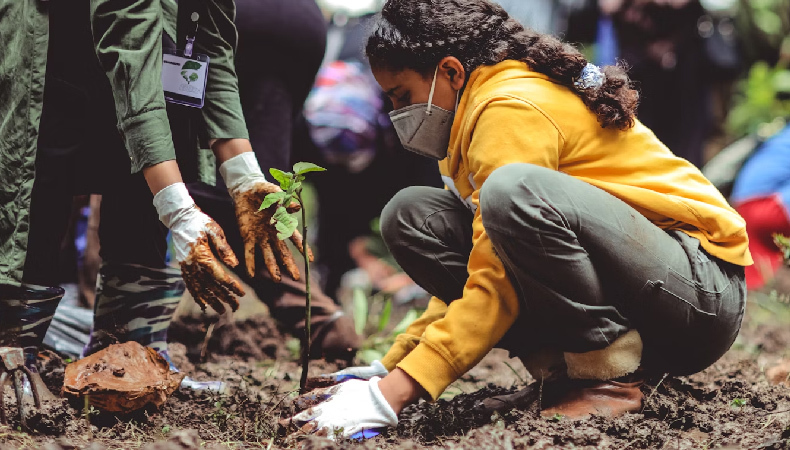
x=729, y=405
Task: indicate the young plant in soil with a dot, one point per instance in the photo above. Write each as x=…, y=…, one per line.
x=286, y=224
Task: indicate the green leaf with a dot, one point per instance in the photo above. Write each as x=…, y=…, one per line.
x=191, y=65
x=283, y=177
x=284, y=223
x=302, y=168
x=360, y=302
x=271, y=199
x=410, y=317
x=386, y=313
x=297, y=185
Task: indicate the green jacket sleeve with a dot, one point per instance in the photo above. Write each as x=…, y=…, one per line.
x=128, y=39
x=217, y=38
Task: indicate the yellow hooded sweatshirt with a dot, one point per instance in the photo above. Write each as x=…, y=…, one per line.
x=510, y=114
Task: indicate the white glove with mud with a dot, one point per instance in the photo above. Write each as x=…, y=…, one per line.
x=351, y=409
x=248, y=187
x=192, y=231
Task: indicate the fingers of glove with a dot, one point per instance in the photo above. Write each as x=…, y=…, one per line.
x=219, y=242
x=288, y=259
x=348, y=376
x=249, y=256
x=225, y=295
x=308, y=414
x=191, y=284
x=270, y=260
x=311, y=399
x=293, y=207
x=211, y=297
x=298, y=241
x=198, y=284
x=223, y=278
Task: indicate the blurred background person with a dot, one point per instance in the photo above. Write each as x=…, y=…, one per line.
x=677, y=52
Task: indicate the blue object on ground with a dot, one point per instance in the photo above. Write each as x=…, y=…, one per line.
x=365, y=434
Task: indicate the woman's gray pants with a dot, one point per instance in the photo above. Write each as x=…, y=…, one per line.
x=587, y=267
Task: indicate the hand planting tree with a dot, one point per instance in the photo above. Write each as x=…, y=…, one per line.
x=286, y=224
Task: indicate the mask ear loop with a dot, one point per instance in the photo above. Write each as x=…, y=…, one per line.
x=433, y=88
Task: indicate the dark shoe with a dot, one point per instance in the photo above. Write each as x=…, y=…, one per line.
x=583, y=398
x=521, y=399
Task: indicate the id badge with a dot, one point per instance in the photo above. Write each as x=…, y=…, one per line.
x=184, y=78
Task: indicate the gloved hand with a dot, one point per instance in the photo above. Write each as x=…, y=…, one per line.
x=375, y=369
x=248, y=187
x=356, y=406
x=192, y=230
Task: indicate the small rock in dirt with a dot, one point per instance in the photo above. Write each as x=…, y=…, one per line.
x=122, y=378
x=779, y=373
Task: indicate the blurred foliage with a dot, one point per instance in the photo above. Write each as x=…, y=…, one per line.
x=373, y=317
x=783, y=242
x=761, y=104
x=763, y=26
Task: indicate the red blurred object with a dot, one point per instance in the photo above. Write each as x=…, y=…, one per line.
x=765, y=216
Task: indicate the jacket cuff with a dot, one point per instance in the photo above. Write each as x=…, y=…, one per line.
x=402, y=346
x=147, y=138
x=430, y=369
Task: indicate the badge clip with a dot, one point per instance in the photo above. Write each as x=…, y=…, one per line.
x=191, y=36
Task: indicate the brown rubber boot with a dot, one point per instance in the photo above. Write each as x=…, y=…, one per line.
x=583, y=398
x=332, y=332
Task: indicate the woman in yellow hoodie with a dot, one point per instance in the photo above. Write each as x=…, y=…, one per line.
x=567, y=232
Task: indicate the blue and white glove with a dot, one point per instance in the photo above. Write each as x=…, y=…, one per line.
x=375, y=369
x=355, y=409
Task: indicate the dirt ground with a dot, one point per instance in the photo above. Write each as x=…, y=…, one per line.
x=729, y=405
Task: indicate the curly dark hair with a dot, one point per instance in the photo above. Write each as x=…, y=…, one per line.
x=418, y=34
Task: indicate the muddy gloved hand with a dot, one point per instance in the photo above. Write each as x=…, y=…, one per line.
x=194, y=235
x=375, y=369
x=355, y=409
x=248, y=187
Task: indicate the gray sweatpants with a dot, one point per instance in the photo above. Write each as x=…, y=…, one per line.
x=587, y=267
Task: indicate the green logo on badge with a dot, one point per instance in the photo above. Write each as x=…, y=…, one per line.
x=188, y=71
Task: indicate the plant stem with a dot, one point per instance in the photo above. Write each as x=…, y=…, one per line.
x=308, y=309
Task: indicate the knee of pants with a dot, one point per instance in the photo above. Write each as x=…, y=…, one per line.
x=400, y=216
x=510, y=187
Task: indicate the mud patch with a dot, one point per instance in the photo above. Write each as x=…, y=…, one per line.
x=256, y=338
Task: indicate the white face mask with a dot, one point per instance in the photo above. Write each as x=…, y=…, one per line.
x=425, y=128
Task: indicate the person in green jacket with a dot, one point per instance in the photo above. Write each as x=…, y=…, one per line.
x=88, y=74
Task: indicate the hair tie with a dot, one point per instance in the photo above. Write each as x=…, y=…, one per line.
x=592, y=77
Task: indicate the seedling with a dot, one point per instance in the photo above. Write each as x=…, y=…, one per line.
x=738, y=402
x=286, y=224
x=556, y=417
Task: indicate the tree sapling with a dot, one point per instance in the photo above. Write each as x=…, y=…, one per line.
x=286, y=224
